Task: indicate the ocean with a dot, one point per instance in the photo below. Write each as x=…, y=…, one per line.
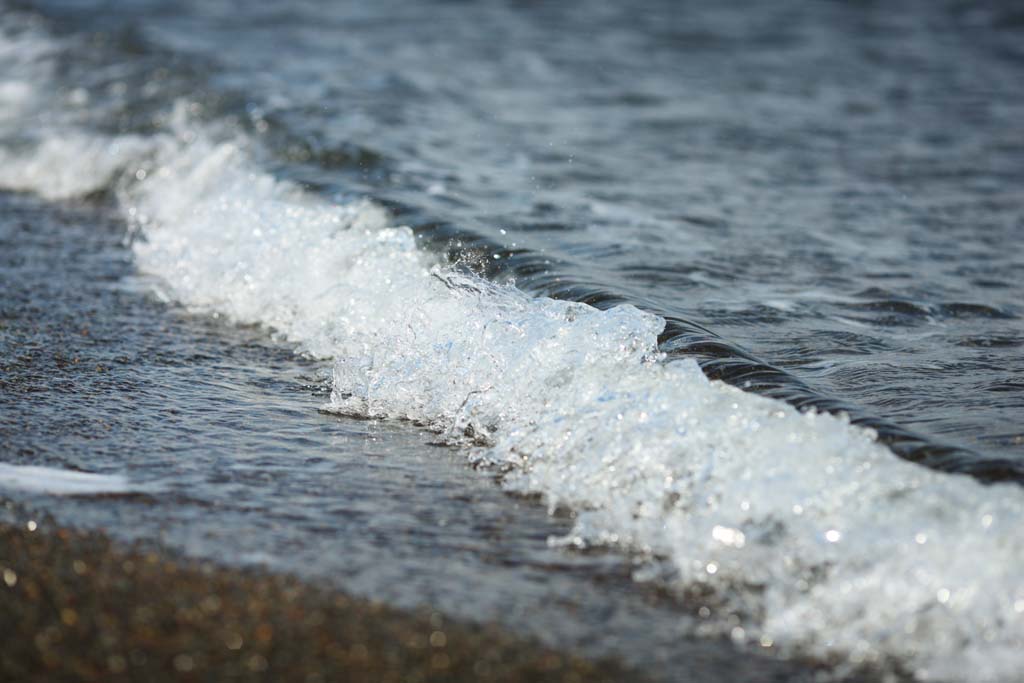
x=677, y=332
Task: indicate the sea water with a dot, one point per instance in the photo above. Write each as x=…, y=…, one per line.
x=829, y=189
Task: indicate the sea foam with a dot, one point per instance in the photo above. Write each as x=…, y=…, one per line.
x=59, y=482
x=788, y=530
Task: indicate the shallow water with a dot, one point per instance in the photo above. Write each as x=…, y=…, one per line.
x=829, y=189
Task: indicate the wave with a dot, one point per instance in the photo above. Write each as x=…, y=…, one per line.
x=719, y=358
x=796, y=531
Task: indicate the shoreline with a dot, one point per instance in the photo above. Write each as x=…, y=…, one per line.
x=99, y=377
x=77, y=605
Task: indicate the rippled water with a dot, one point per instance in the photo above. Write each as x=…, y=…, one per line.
x=818, y=203
x=834, y=186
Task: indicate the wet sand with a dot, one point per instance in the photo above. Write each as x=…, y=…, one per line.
x=76, y=606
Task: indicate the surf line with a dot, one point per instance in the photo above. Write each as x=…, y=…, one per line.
x=541, y=275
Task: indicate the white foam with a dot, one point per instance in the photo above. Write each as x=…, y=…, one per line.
x=34, y=479
x=73, y=165
x=44, y=152
x=796, y=530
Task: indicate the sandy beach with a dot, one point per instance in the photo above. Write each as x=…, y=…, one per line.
x=76, y=606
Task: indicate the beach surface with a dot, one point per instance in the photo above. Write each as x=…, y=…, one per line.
x=77, y=606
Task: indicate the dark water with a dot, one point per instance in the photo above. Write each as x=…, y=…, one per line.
x=833, y=186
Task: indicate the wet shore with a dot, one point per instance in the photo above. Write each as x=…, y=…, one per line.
x=78, y=606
